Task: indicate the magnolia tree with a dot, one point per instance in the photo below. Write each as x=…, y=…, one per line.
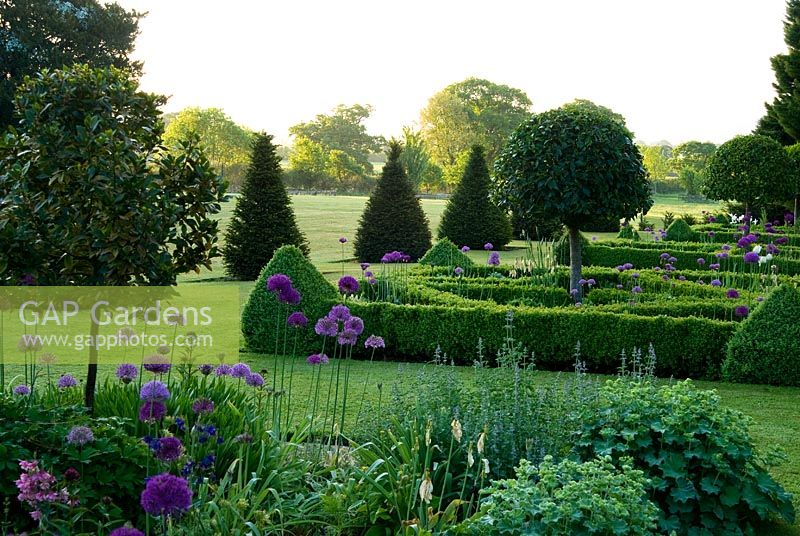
x=89, y=196
x=577, y=165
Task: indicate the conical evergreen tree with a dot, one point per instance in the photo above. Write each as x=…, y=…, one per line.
x=263, y=219
x=393, y=219
x=782, y=120
x=470, y=218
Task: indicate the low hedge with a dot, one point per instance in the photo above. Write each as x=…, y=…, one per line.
x=726, y=233
x=685, y=347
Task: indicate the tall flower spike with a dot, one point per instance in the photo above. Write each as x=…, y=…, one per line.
x=455, y=427
x=426, y=489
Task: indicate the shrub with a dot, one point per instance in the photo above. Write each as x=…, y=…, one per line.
x=263, y=219
x=262, y=312
x=669, y=218
x=764, y=348
x=703, y=469
x=680, y=231
x=393, y=219
x=592, y=497
x=627, y=232
x=535, y=226
x=445, y=253
x=470, y=218
x=689, y=218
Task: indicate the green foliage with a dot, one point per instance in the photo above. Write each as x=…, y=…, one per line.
x=656, y=160
x=263, y=219
x=561, y=248
x=262, y=312
x=782, y=118
x=226, y=144
x=535, y=226
x=764, y=348
x=417, y=162
x=592, y=497
x=470, y=218
x=703, y=469
x=38, y=34
x=585, y=105
x=393, y=218
x=793, y=152
x=470, y=112
x=754, y=170
x=681, y=231
x=445, y=253
x=669, y=218
x=627, y=232
x=689, y=161
x=88, y=195
x=32, y=431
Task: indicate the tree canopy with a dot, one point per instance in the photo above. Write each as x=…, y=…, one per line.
x=689, y=161
x=782, y=119
x=226, y=144
x=421, y=170
x=38, y=34
x=472, y=112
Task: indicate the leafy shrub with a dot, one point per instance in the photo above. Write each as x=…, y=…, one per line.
x=627, y=232
x=445, y=253
x=262, y=312
x=680, y=231
x=669, y=218
x=764, y=348
x=470, y=218
x=393, y=219
x=592, y=497
x=689, y=218
x=703, y=469
x=263, y=219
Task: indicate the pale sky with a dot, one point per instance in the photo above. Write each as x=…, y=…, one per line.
x=678, y=70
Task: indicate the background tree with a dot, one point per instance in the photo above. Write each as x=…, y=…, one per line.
x=471, y=112
x=263, y=219
x=575, y=165
x=308, y=164
x=89, y=196
x=422, y=172
x=793, y=152
x=343, y=131
x=782, y=119
x=470, y=218
x=754, y=170
x=586, y=105
x=226, y=144
x=689, y=160
x=393, y=218
x=38, y=34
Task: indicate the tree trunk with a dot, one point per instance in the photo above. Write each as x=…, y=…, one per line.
x=91, y=373
x=795, y=213
x=575, y=262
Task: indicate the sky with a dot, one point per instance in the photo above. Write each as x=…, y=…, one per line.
x=678, y=70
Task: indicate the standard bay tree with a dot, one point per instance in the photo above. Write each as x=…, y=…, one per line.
x=575, y=165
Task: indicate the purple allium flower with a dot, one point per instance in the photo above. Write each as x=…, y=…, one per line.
x=126, y=531
x=488, y=246
x=711, y=234
x=620, y=287
x=243, y=438
x=672, y=260
x=354, y=324
x=464, y=249
x=166, y=495
x=701, y=261
x=458, y=270
x=681, y=278
x=578, y=304
x=66, y=381
x=373, y=341
x=712, y=219
x=72, y=475
x=327, y=327
x=701, y=282
x=317, y=359
x=722, y=255
x=154, y=390
x=742, y=311
x=342, y=240
x=240, y=370
x=297, y=320
x=372, y=281
x=254, y=379
x=782, y=240
x=157, y=364
x=278, y=282
x=772, y=249
x=760, y=299
x=205, y=369
x=627, y=266
x=637, y=289
x=27, y=280
x=348, y=284
x=582, y=282
x=658, y=268
x=635, y=275
x=80, y=436
x=751, y=257
x=732, y=293
x=574, y=292
x=22, y=390
x=394, y=256
x=348, y=337
x=594, y=239
x=591, y=282
x=223, y=370
x=364, y=266
x=290, y=296
x=726, y=247
x=202, y=405
x=664, y=256
x=169, y=449
x=152, y=411
x=339, y=313
x=714, y=266
x=716, y=283
x=127, y=372
x=665, y=277
x=494, y=259
x=368, y=274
